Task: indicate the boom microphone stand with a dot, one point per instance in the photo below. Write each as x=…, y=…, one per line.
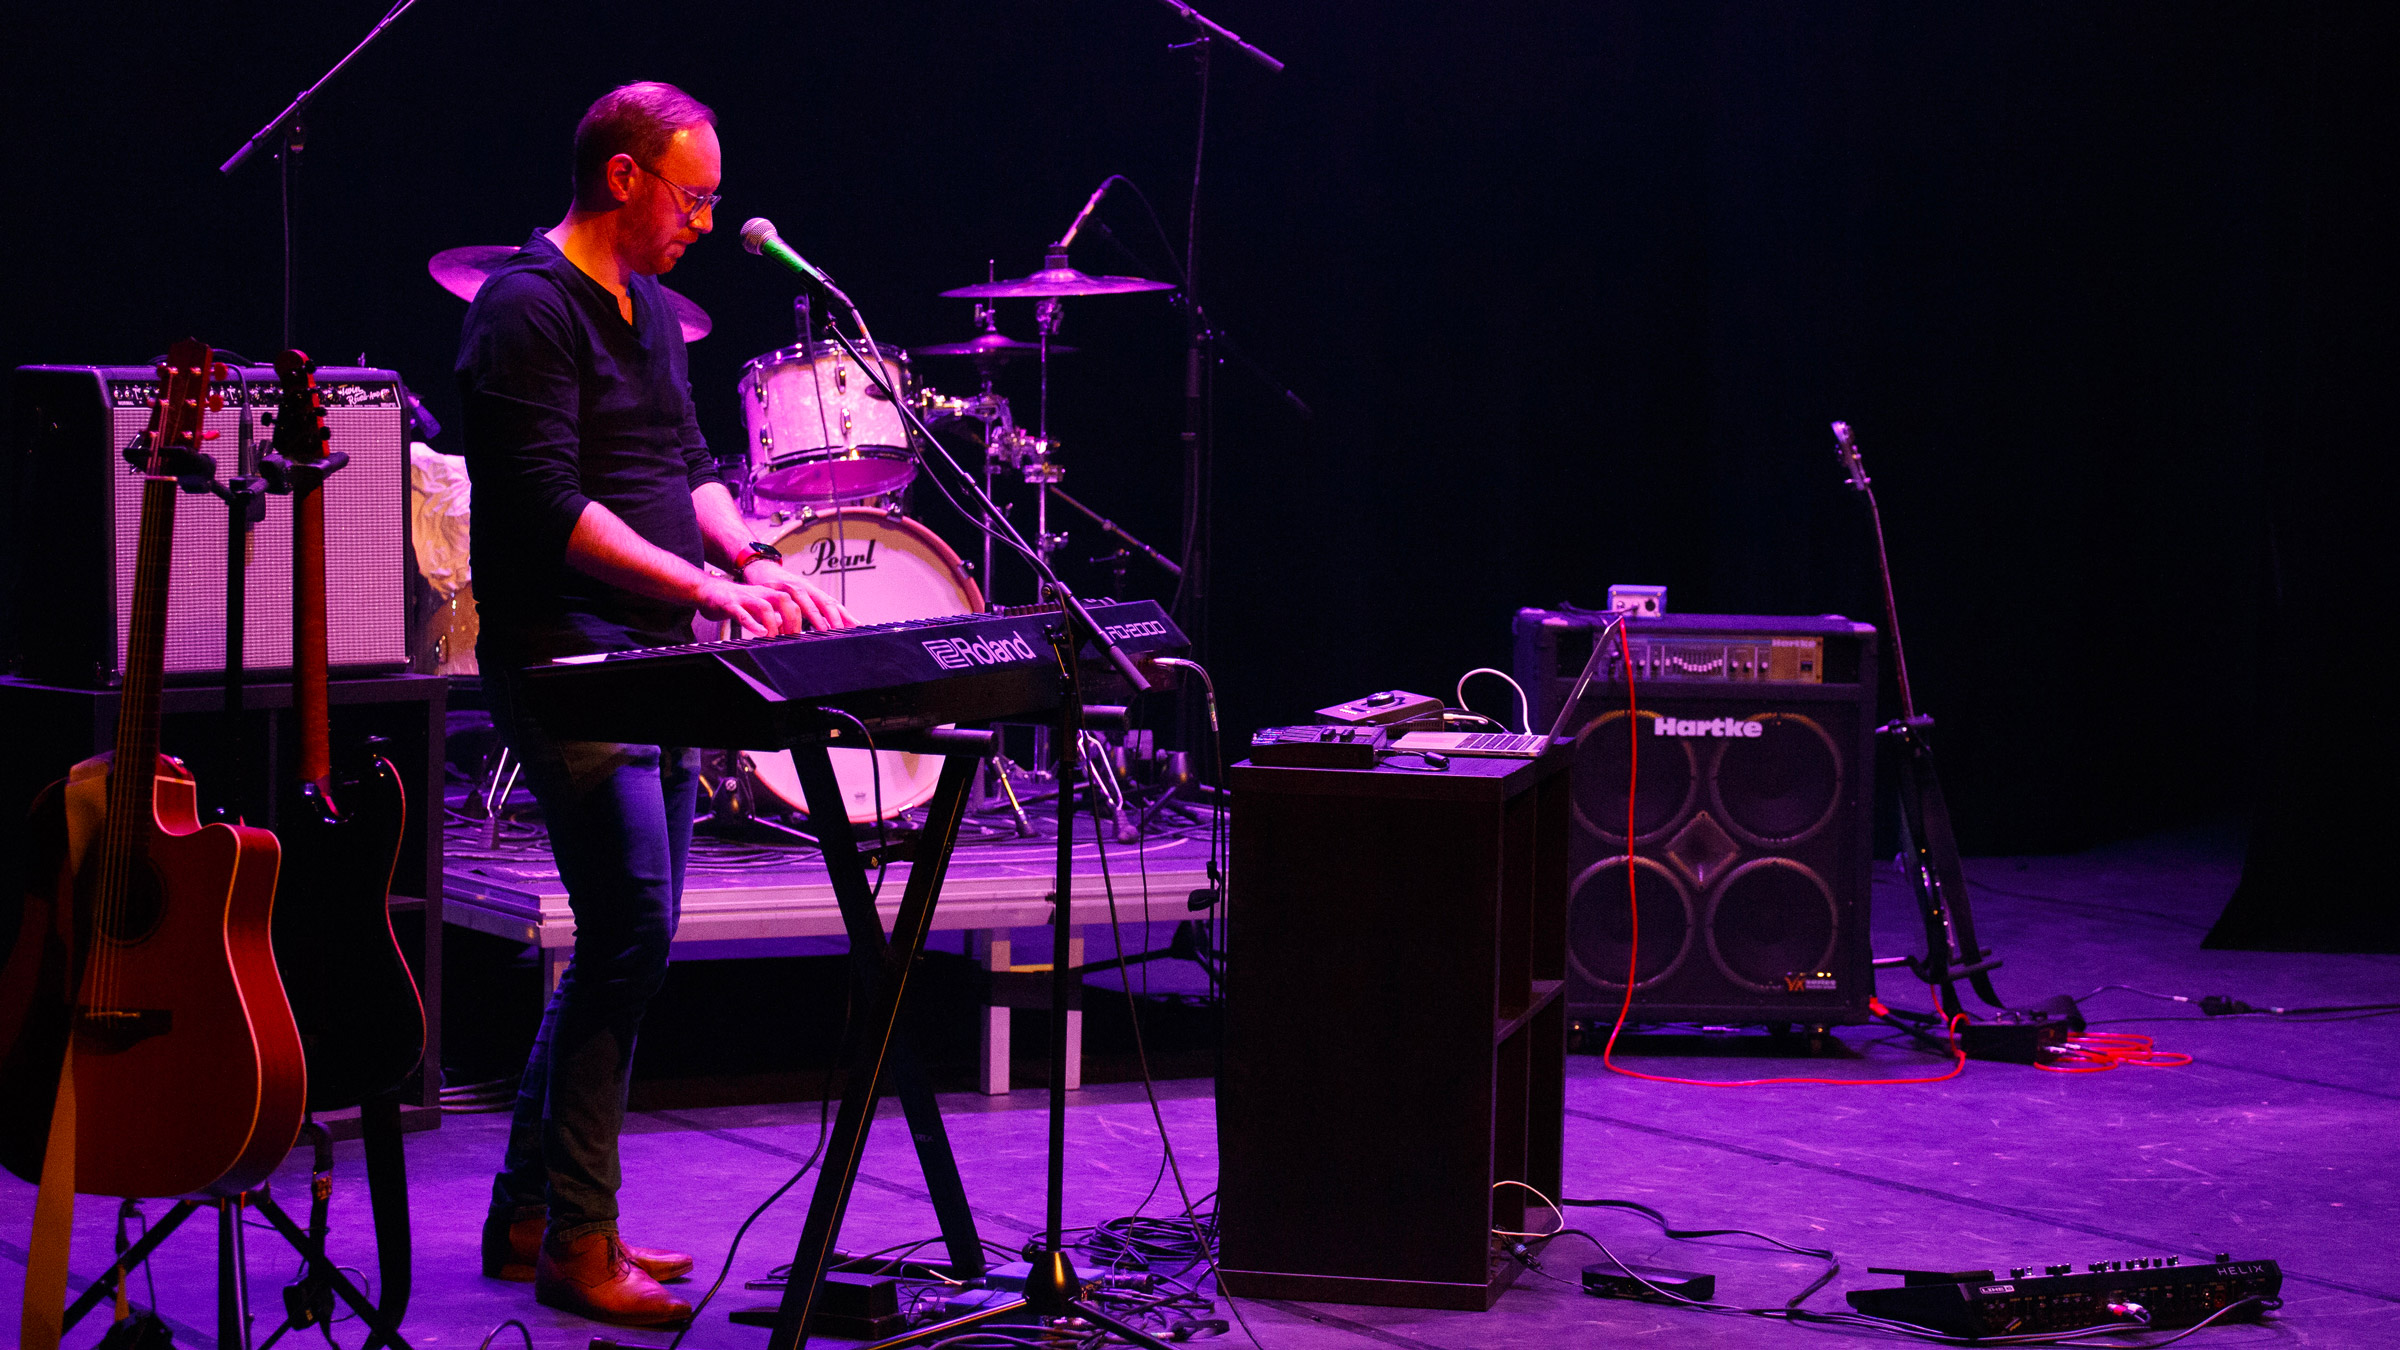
x=1053, y=1290
x=1191, y=605
x=1927, y=843
x=286, y=127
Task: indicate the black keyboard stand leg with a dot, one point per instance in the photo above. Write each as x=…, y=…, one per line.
x=883, y=968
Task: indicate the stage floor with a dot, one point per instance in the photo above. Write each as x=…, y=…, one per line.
x=2275, y=1142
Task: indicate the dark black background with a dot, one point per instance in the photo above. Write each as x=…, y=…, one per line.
x=1574, y=289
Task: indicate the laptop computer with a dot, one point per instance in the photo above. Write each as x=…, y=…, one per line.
x=1504, y=744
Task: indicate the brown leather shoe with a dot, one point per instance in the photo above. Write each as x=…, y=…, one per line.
x=594, y=1277
x=511, y=1242
x=510, y=1246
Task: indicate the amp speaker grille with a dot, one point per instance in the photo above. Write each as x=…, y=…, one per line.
x=87, y=508
x=1749, y=830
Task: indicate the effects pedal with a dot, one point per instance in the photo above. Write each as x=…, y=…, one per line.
x=1318, y=746
x=1381, y=708
x=2160, y=1292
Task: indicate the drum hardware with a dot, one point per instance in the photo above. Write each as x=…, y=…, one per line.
x=1056, y=281
x=989, y=348
x=1114, y=560
x=1118, y=532
x=992, y=787
x=462, y=272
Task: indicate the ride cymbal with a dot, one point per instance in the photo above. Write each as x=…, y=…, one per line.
x=1057, y=281
x=989, y=347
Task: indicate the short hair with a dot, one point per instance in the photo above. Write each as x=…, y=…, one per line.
x=633, y=119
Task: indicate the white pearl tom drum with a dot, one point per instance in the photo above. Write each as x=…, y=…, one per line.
x=820, y=431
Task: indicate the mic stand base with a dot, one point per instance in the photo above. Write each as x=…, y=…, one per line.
x=1052, y=1293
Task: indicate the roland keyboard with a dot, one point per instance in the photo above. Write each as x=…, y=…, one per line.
x=763, y=693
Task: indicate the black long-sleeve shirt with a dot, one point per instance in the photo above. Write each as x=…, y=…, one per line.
x=566, y=404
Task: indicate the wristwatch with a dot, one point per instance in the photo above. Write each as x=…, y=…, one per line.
x=752, y=552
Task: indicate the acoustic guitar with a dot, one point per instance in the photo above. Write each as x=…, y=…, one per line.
x=361, y=1022
x=144, y=938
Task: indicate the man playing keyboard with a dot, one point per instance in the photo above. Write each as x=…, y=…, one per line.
x=596, y=505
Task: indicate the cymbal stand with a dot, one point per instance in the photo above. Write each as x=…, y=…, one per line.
x=1039, y=471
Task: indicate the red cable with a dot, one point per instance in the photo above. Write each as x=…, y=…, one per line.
x=2100, y=1051
x=1633, y=773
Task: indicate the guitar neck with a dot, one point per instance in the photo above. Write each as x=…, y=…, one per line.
x=145, y=660
x=300, y=438
x=309, y=703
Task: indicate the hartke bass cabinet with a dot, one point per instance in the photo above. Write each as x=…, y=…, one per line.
x=73, y=528
x=144, y=938
x=1750, y=814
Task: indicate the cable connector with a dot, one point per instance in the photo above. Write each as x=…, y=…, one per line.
x=2218, y=1005
x=1523, y=1254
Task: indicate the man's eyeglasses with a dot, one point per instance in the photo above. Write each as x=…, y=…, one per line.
x=700, y=201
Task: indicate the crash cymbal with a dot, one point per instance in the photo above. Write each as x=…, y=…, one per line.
x=1055, y=281
x=988, y=347
x=462, y=272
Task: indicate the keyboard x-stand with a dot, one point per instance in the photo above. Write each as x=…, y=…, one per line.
x=894, y=687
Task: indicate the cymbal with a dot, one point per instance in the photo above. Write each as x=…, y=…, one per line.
x=1054, y=282
x=988, y=347
x=462, y=272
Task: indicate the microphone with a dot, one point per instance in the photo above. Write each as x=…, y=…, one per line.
x=759, y=237
x=1846, y=450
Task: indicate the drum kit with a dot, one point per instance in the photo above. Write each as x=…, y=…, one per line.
x=827, y=466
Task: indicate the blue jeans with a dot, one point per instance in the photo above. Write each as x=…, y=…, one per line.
x=620, y=823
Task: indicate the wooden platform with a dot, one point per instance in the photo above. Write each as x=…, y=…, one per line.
x=992, y=888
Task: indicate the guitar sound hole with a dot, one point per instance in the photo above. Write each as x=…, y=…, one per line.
x=138, y=916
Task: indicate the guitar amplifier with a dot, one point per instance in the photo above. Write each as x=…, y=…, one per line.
x=1749, y=813
x=78, y=509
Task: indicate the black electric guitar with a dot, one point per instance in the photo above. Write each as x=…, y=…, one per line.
x=1928, y=847
x=361, y=1022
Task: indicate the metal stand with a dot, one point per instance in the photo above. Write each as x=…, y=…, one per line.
x=872, y=1035
x=233, y=1299
x=1191, y=595
x=286, y=129
x=881, y=969
x=1052, y=1289
x=1928, y=848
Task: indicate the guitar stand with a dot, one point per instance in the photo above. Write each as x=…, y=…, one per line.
x=1929, y=852
x=310, y=1301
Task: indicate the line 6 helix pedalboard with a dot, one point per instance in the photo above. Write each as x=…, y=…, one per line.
x=2161, y=1291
